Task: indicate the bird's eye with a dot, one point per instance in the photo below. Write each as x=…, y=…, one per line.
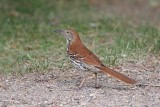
x=68, y=32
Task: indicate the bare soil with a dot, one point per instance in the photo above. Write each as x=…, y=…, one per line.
x=59, y=87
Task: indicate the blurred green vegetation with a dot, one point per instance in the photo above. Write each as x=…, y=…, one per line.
x=28, y=42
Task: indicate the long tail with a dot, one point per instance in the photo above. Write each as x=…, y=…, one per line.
x=117, y=75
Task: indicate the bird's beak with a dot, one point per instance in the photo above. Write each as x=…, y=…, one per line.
x=59, y=31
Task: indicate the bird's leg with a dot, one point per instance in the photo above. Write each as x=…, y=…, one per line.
x=96, y=80
x=84, y=79
x=81, y=83
x=90, y=77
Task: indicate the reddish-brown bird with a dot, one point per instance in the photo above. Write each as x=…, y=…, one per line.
x=84, y=59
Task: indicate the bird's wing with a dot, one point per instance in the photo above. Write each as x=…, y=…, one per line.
x=81, y=53
x=88, y=57
x=92, y=60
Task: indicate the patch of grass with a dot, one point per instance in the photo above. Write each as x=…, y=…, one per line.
x=28, y=42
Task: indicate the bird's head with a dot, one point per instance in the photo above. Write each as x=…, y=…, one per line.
x=69, y=34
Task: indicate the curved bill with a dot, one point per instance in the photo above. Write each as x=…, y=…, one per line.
x=59, y=31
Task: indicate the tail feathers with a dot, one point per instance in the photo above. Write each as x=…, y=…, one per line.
x=117, y=75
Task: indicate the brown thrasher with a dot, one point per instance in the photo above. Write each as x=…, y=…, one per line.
x=84, y=59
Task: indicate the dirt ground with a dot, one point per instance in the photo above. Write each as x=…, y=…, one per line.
x=58, y=87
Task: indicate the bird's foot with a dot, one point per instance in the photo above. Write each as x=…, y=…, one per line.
x=97, y=86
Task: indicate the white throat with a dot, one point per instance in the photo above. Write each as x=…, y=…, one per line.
x=68, y=42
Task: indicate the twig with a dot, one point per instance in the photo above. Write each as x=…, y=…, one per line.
x=151, y=85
